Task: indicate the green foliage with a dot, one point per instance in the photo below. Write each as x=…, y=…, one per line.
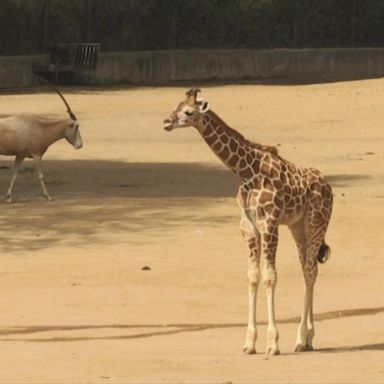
x=30, y=26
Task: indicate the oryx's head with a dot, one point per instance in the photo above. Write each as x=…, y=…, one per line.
x=72, y=133
x=188, y=112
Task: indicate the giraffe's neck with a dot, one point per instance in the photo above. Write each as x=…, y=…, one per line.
x=237, y=153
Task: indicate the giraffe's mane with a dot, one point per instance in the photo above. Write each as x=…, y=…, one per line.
x=241, y=138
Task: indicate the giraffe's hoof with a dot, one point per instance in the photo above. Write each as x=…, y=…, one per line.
x=49, y=198
x=249, y=351
x=303, y=348
x=273, y=351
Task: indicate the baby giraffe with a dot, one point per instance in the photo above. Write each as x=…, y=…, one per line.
x=272, y=191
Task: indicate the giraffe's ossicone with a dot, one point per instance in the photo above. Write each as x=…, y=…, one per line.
x=272, y=191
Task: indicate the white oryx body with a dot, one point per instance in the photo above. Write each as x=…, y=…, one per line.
x=30, y=136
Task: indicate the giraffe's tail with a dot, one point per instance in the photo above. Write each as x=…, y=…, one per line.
x=324, y=253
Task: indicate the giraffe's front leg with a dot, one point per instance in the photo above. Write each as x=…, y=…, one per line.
x=268, y=245
x=253, y=284
x=253, y=241
x=269, y=281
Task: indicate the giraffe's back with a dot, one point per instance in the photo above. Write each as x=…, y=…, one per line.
x=305, y=187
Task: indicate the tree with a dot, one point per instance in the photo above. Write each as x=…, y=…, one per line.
x=31, y=26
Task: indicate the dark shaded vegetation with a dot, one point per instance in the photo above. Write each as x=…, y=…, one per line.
x=31, y=26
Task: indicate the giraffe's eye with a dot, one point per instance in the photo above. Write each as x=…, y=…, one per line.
x=188, y=113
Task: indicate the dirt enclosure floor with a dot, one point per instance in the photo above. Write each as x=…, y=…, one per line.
x=136, y=272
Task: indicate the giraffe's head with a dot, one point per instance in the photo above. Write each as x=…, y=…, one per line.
x=187, y=112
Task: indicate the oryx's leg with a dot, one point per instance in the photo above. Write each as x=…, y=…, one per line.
x=40, y=175
x=16, y=167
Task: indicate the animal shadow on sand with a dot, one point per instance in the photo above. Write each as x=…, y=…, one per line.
x=135, y=198
x=140, y=331
x=126, y=197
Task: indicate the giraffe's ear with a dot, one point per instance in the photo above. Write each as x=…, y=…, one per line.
x=204, y=106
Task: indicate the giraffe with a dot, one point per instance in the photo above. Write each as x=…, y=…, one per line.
x=272, y=191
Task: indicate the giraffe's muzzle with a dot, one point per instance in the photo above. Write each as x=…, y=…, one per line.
x=168, y=124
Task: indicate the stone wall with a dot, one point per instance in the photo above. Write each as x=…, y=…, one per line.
x=161, y=67
x=16, y=71
x=167, y=67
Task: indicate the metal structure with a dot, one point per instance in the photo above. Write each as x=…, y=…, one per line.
x=70, y=63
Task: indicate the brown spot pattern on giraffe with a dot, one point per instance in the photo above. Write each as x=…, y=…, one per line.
x=217, y=146
x=233, y=145
x=211, y=139
x=233, y=160
x=208, y=130
x=224, y=139
x=224, y=153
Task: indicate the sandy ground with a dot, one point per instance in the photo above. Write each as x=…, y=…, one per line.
x=76, y=305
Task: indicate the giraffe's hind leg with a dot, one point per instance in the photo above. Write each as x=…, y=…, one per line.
x=306, y=330
x=309, y=235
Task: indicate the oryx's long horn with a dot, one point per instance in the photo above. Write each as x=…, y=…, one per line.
x=71, y=114
x=191, y=95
